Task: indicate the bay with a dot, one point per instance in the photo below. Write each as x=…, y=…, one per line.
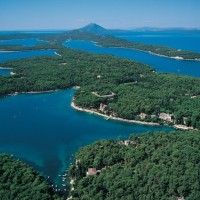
x=161, y=64
x=44, y=131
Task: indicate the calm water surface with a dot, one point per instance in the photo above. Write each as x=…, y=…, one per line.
x=161, y=64
x=176, y=39
x=43, y=129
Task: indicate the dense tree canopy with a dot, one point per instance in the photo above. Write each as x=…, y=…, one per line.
x=106, y=41
x=18, y=181
x=154, y=166
x=137, y=87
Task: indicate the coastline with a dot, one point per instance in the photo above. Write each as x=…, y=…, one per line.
x=111, y=117
x=8, y=68
x=176, y=126
x=4, y=51
x=57, y=54
x=31, y=92
x=175, y=57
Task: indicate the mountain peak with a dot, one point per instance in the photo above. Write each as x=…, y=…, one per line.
x=94, y=28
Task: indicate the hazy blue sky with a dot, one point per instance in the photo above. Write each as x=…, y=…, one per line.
x=69, y=14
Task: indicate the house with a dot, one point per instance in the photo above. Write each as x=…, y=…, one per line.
x=180, y=198
x=166, y=117
x=102, y=107
x=142, y=115
x=127, y=142
x=91, y=171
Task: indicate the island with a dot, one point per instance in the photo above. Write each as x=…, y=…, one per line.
x=104, y=37
x=115, y=87
x=146, y=166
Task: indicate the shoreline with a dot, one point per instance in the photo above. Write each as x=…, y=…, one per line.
x=107, y=117
x=172, y=57
x=57, y=54
x=8, y=68
x=4, y=51
x=111, y=117
x=176, y=126
x=32, y=92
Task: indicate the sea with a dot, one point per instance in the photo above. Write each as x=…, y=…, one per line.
x=45, y=131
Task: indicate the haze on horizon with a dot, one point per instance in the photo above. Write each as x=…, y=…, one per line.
x=123, y=14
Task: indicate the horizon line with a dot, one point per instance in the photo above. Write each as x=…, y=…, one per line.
x=125, y=29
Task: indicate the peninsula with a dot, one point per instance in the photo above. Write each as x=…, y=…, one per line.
x=105, y=38
x=115, y=87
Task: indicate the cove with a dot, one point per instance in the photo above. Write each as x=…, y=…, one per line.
x=45, y=132
x=161, y=64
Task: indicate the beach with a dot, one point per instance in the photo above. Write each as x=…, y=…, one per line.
x=111, y=117
x=177, y=126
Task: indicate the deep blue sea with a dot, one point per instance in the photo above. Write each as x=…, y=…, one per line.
x=184, y=40
x=43, y=129
x=161, y=64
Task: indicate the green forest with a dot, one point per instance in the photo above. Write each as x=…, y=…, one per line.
x=137, y=88
x=155, y=165
x=103, y=40
x=20, y=182
x=111, y=41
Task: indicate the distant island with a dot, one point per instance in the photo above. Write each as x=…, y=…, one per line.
x=98, y=34
x=94, y=32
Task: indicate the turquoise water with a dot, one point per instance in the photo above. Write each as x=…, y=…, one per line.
x=161, y=64
x=43, y=130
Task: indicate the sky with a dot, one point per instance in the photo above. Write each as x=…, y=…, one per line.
x=123, y=14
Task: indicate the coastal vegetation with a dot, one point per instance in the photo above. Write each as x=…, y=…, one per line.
x=111, y=41
x=19, y=181
x=103, y=37
x=46, y=46
x=138, y=92
x=155, y=165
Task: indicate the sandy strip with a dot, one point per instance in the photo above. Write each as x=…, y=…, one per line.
x=182, y=127
x=176, y=57
x=8, y=51
x=57, y=54
x=111, y=117
x=6, y=68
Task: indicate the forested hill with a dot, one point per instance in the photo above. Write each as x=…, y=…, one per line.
x=102, y=36
x=111, y=41
x=138, y=92
x=18, y=181
x=160, y=166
